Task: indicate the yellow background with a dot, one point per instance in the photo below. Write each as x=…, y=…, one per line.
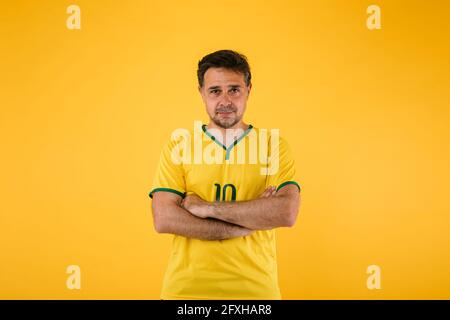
x=84, y=114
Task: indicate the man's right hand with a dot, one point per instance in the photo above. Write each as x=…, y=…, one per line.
x=270, y=191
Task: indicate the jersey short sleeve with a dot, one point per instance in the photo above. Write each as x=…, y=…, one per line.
x=170, y=176
x=285, y=173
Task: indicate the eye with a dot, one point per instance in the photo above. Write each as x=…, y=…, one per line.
x=215, y=91
x=234, y=90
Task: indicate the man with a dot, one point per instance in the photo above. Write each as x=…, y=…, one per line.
x=223, y=213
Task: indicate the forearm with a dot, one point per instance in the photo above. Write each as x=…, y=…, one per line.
x=257, y=214
x=176, y=220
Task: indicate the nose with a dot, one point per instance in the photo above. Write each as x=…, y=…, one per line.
x=225, y=100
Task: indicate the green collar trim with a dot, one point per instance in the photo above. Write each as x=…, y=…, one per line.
x=228, y=150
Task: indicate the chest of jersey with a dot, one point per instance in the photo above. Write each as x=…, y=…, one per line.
x=225, y=182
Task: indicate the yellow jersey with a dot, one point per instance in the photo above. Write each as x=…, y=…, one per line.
x=196, y=162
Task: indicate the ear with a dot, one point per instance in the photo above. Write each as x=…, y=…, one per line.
x=249, y=87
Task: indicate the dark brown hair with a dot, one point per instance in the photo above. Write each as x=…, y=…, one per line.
x=228, y=59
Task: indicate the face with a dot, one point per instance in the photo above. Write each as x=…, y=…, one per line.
x=225, y=95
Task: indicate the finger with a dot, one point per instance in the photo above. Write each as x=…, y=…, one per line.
x=271, y=191
x=265, y=194
x=268, y=192
x=274, y=191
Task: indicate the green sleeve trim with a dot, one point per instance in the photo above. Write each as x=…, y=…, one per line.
x=181, y=194
x=289, y=182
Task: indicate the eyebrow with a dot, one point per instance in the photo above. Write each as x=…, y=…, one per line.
x=231, y=86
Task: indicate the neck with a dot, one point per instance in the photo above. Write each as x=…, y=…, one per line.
x=240, y=125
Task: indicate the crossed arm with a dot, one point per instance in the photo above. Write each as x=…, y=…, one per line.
x=193, y=217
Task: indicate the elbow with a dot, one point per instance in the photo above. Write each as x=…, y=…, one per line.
x=159, y=226
x=293, y=207
x=158, y=222
x=290, y=220
x=290, y=217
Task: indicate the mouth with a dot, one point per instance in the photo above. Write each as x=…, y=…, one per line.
x=225, y=113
